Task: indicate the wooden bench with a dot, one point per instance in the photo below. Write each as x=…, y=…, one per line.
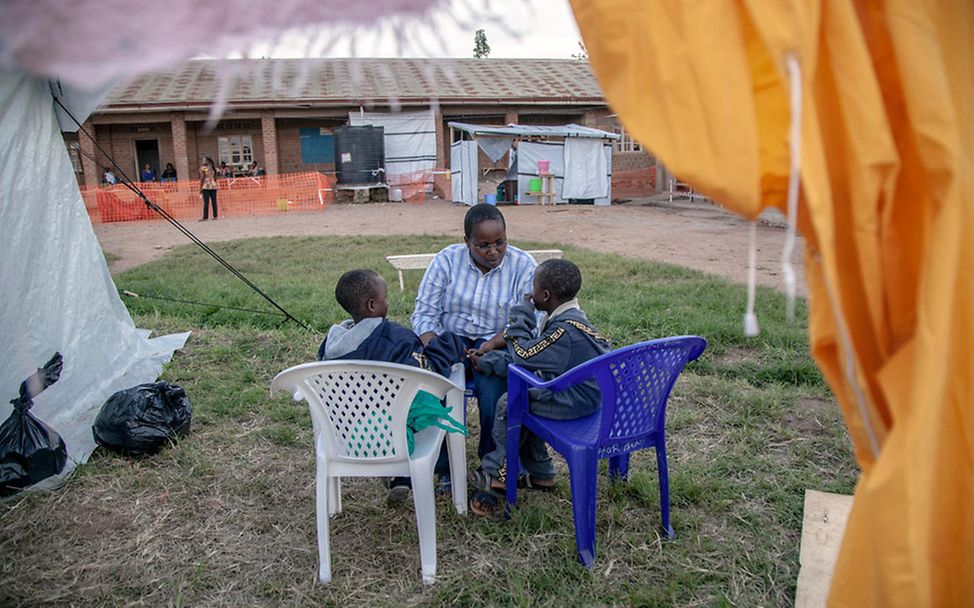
x=422, y=261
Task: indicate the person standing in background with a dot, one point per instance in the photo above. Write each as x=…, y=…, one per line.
x=208, y=187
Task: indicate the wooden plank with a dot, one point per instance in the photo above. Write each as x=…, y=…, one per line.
x=540, y=255
x=411, y=262
x=822, y=529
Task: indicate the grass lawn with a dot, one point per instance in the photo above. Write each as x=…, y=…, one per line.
x=227, y=516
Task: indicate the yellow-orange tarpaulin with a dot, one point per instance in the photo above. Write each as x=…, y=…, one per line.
x=887, y=210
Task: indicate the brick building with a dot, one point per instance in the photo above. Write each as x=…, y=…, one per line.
x=280, y=112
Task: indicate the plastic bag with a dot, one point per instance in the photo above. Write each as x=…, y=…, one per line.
x=143, y=419
x=29, y=450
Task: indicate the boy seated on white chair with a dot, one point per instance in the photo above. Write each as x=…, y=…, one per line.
x=369, y=336
x=564, y=339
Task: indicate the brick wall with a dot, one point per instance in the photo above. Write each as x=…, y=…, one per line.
x=72, y=145
x=119, y=141
x=92, y=171
x=180, y=145
x=289, y=143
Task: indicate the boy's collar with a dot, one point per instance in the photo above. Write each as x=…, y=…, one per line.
x=561, y=309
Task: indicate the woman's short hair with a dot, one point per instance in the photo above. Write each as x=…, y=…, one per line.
x=481, y=213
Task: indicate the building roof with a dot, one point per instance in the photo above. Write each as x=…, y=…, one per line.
x=325, y=82
x=570, y=130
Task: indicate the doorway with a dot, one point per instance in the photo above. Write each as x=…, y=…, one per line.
x=146, y=152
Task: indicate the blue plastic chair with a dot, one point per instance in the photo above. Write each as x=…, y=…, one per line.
x=635, y=383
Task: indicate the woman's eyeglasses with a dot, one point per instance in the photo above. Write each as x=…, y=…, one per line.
x=485, y=247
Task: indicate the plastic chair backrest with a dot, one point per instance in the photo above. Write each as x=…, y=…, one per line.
x=635, y=382
x=361, y=408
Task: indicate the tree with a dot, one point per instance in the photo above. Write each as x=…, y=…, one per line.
x=582, y=53
x=481, y=50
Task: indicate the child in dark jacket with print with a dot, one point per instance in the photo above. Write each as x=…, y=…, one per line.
x=564, y=339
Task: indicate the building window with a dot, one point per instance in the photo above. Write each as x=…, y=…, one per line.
x=625, y=143
x=74, y=153
x=236, y=150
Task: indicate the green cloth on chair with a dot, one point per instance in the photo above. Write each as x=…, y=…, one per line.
x=425, y=411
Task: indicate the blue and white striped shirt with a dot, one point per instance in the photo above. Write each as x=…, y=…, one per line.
x=456, y=296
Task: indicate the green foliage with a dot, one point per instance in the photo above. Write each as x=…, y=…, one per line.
x=481, y=50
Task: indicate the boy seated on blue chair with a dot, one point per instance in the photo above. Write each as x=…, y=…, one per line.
x=562, y=340
x=368, y=335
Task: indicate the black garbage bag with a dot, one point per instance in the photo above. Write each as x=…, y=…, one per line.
x=29, y=450
x=141, y=420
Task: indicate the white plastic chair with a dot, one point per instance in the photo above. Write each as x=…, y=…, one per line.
x=359, y=411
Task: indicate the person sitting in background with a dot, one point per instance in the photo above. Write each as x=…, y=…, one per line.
x=256, y=170
x=169, y=174
x=224, y=171
x=108, y=177
x=370, y=336
x=148, y=175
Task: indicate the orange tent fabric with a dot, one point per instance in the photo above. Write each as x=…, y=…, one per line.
x=887, y=210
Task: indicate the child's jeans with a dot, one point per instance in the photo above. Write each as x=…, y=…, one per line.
x=534, y=451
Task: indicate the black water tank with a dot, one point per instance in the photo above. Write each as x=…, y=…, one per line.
x=360, y=155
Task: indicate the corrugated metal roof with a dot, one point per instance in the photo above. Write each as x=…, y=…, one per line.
x=569, y=130
x=324, y=81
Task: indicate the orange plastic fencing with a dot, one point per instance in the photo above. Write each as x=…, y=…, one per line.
x=240, y=196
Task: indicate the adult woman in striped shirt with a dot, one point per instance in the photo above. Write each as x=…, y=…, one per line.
x=468, y=289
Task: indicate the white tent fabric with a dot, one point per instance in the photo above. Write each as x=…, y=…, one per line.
x=586, y=169
x=495, y=147
x=88, y=43
x=463, y=172
x=410, y=143
x=569, y=130
x=57, y=294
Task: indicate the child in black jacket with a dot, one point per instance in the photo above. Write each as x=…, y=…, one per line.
x=564, y=339
x=368, y=335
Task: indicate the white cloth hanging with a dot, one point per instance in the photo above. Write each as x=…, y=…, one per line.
x=586, y=169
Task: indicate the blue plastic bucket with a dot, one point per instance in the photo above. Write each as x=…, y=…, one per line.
x=490, y=199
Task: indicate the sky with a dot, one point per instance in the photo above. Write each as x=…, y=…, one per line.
x=514, y=29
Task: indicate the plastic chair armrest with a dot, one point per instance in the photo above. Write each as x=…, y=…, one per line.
x=563, y=382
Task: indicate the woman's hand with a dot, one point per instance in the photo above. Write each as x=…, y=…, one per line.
x=425, y=338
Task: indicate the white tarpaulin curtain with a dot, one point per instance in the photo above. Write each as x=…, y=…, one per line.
x=410, y=143
x=586, y=169
x=463, y=172
x=57, y=294
x=495, y=147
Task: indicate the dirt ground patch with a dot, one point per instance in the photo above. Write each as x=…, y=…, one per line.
x=807, y=416
x=698, y=235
